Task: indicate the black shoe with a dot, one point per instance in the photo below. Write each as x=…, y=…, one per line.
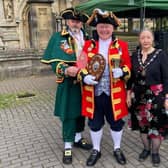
x=119, y=156
x=155, y=159
x=82, y=143
x=67, y=156
x=94, y=156
x=143, y=155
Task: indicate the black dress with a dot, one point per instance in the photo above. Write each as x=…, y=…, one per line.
x=149, y=83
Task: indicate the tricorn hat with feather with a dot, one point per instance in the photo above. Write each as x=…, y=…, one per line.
x=99, y=16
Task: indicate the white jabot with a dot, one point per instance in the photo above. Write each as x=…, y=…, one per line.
x=79, y=41
x=104, y=47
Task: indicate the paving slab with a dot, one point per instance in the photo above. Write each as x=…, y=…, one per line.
x=30, y=135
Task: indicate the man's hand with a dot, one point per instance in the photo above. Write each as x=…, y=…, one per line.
x=90, y=80
x=71, y=71
x=117, y=73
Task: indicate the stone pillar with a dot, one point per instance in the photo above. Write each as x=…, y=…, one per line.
x=41, y=24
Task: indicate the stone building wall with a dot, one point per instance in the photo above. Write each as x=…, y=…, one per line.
x=25, y=28
x=29, y=23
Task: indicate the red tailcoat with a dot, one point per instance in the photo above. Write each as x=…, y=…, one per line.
x=117, y=49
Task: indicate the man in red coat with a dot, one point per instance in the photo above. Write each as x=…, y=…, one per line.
x=105, y=98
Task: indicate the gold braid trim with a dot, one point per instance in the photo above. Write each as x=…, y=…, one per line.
x=94, y=14
x=81, y=73
x=126, y=71
x=64, y=31
x=115, y=18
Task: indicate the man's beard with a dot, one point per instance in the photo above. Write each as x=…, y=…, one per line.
x=75, y=30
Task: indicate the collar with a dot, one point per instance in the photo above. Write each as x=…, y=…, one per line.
x=64, y=31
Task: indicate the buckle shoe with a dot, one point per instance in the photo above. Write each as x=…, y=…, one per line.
x=94, y=156
x=119, y=156
x=82, y=143
x=143, y=155
x=67, y=156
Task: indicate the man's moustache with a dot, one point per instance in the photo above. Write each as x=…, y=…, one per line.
x=75, y=29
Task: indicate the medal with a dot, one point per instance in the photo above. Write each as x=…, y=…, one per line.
x=143, y=66
x=143, y=72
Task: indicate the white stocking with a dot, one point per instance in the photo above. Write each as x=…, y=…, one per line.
x=68, y=145
x=116, y=137
x=78, y=136
x=96, y=137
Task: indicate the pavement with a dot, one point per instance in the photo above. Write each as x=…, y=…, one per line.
x=30, y=135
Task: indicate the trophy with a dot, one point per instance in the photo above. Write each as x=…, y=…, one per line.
x=96, y=66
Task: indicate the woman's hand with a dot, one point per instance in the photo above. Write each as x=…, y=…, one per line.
x=129, y=97
x=166, y=104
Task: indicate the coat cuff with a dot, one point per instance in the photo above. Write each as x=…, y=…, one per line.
x=81, y=74
x=126, y=72
x=60, y=71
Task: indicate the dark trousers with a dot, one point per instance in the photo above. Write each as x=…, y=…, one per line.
x=70, y=127
x=103, y=109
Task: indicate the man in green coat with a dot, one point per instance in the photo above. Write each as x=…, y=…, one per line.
x=62, y=51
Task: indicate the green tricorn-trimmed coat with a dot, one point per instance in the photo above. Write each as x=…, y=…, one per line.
x=60, y=53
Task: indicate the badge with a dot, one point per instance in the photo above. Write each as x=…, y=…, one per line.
x=65, y=47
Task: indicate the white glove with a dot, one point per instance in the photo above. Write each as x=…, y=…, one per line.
x=90, y=80
x=117, y=72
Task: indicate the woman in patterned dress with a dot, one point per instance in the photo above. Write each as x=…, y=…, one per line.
x=147, y=96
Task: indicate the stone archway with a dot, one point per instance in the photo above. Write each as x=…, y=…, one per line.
x=22, y=19
x=35, y=23
x=25, y=27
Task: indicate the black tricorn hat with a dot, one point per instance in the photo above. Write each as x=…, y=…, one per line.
x=98, y=16
x=71, y=13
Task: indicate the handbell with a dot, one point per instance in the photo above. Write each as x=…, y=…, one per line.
x=116, y=62
x=116, y=59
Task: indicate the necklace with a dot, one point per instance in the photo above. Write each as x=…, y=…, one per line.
x=144, y=65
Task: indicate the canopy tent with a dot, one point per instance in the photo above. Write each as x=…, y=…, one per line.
x=112, y=5
x=128, y=8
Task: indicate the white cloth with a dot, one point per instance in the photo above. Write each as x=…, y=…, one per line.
x=90, y=80
x=79, y=41
x=116, y=137
x=104, y=47
x=96, y=137
x=78, y=136
x=117, y=72
x=67, y=145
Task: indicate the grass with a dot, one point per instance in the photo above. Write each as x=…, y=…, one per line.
x=7, y=100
